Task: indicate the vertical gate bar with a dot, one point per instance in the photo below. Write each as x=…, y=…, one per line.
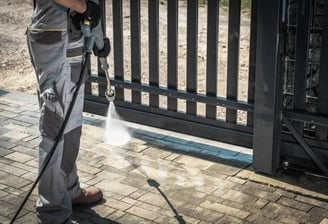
x=101, y=73
x=301, y=64
x=322, y=107
x=192, y=40
x=172, y=49
x=118, y=46
x=268, y=89
x=212, y=54
x=135, y=47
x=252, y=62
x=153, y=17
x=233, y=56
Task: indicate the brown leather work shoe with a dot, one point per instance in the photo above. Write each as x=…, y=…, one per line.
x=88, y=197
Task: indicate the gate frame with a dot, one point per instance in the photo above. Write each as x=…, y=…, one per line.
x=268, y=87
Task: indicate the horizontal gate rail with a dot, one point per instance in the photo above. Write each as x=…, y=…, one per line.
x=214, y=101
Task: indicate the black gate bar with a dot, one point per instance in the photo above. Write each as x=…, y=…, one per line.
x=172, y=49
x=233, y=56
x=153, y=15
x=118, y=46
x=135, y=47
x=192, y=32
x=252, y=62
x=212, y=54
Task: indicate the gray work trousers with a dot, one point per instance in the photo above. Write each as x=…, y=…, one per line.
x=56, y=57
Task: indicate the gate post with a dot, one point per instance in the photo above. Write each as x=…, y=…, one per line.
x=268, y=88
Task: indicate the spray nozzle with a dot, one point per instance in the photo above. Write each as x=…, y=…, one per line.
x=110, y=94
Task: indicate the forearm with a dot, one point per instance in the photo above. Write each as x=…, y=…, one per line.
x=76, y=5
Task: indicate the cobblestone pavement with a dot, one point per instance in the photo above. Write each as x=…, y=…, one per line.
x=159, y=177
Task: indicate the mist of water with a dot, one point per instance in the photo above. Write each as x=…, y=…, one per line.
x=116, y=133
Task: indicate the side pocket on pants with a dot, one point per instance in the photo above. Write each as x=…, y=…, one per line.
x=50, y=123
x=76, y=68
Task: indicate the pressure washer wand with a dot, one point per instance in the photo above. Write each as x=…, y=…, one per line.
x=99, y=42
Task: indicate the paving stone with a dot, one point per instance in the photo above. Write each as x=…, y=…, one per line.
x=88, y=169
x=8, y=114
x=4, y=151
x=157, y=153
x=154, y=199
x=324, y=221
x=6, y=209
x=188, y=196
x=239, y=197
x=230, y=220
x=16, y=135
x=6, y=144
x=273, y=210
x=200, y=213
x=4, y=131
x=30, y=218
x=101, y=210
x=113, y=203
x=3, y=187
x=225, y=209
x=220, y=168
x=137, y=194
x=27, y=119
x=194, y=162
x=26, y=150
x=122, y=189
x=316, y=215
x=12, y=170
x=251, y=190
x=12, y=180
x=294, y=204
x=260, y=203
x=132, y=219
x=30, y=113
x=19, y=157
x=259, y=219
x=172, y=156
x=131, y=201
x=33, y=163
x=285, y=193
x=116, y=215
x=163, y=219
x=4, y=219
x=312, y=201
x=143, y=213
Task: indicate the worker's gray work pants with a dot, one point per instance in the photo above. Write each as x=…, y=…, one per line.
x=57, y=60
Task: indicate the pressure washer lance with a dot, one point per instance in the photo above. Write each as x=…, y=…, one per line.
x=99, y=41
x=89, y=46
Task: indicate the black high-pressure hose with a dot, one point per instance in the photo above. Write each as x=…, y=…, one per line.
x=86, y=61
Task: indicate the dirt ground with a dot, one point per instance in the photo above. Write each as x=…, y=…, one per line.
x=16, y=72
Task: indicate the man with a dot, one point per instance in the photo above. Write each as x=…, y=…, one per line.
x=55, y=43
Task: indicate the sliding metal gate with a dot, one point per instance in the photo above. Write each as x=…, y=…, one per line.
x=186, y=71
x=159, y=82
